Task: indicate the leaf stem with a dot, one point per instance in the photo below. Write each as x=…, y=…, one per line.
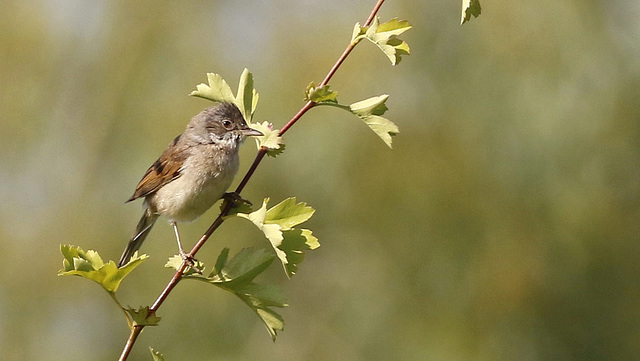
x=135, y=331
x=337, y=105
x=126, y=315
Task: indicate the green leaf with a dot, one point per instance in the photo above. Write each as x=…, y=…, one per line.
x=393, y=27
x=271, y=231
x=276, y=152
x=383, y=127
x=385, y=36
x=236, y=276
x=220, y=263
x=294, y=243
x=370, y=111
x=320, y=95
x=174, y=262
x=238, y=271
x=371, y=106
x=143, y=316
x=90, y=265
x=276, y=223
x=470, y=8
x=288, y=213
x=217, y=90
x=259, y=298
x=241, y=269
x=270, y=139
x=157, y=356
x=358, y=33
x=247, y=98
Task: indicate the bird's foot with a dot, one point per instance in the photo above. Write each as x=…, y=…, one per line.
x=191, y=262
x=235, y=199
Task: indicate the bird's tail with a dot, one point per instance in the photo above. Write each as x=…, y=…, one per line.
x=143, y=228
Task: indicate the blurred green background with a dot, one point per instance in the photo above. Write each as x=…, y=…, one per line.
x=504, y=224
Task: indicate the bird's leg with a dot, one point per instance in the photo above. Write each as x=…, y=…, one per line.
x=180, y=249
x=191, y=262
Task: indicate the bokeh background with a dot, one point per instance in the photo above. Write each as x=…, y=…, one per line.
x=504, y=224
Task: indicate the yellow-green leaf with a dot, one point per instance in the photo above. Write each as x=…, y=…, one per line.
x=372, y=106
x=270, y=138
x=320, y=94
x=385, y=36
x=295, y=242
x=370, y=111
x=288, y=213
x=157, y=356
x=236, y=276
x=271, y=231
x=143, y=316
x=470, y=8
x=247, y=98
x=90, y=265
x=175, y=262
x=383, y=127
x=277, y=224
x=216, y=90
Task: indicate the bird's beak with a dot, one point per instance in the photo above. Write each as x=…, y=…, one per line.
x=251, y=132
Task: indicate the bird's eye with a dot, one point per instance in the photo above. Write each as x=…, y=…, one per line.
x=227, y=124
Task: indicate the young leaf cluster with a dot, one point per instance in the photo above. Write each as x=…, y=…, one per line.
x=90, y=265
x=270, y=139
x=142, y=316
x=320, y=94
x=246, y=100
x=385, y=36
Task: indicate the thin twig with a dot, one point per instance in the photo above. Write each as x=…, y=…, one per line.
x=373, y=13
x=350, y=46
x=133, y=336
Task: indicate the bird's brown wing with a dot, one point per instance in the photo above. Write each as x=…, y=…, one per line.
x=162, y=171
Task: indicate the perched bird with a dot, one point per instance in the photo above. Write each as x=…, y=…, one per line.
x=192, y=173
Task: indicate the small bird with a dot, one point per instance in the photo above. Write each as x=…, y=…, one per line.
x=193, y=172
